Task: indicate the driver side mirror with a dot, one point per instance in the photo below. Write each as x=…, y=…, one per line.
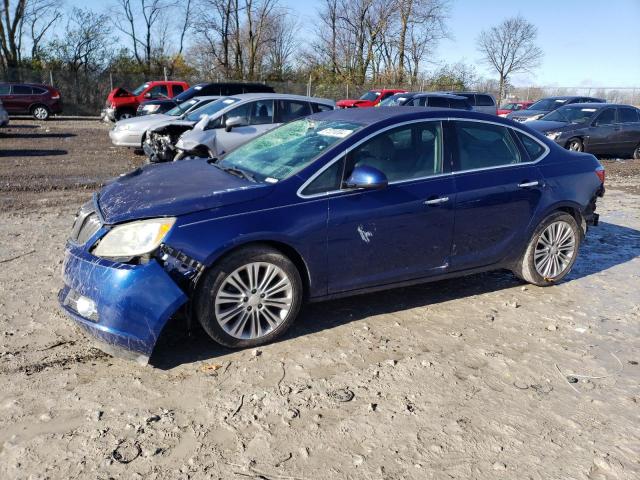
x=366, y=177
x=148, y=95
x=234, y=122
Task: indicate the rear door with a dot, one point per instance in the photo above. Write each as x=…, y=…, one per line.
x=629, y=134
x=6, y=97
x=498, y=190
x=21, y=98
x=602, y=132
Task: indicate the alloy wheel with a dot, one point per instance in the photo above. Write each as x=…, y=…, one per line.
x=253, y=300
x=555, y=249
x=124, y=116
x=575, y=146
x=40, y=113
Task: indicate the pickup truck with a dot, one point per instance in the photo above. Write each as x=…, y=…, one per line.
x=370, y=99
x=122, y=103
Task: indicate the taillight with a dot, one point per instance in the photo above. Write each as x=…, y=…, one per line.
x=55, y=96
x=600, y=172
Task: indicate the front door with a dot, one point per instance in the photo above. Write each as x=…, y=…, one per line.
x=602, y=132
x=257, y=119
x=497, y=193
x=401, y=232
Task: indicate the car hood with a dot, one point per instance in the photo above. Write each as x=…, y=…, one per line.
x=354, y=103
x=527, y=113
x=172, y=123
x=551, y=126
x=173, y=189
x=145, y=121
x=119, y=92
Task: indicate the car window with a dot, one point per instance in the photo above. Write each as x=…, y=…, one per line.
x=177, y=89
x=292, y=110
x=261, y=112
x=38, y=91
x=607, y=117
x=210, y=109
x=159, y=91
x=439, y=102
x=243, y=111
x=328, y=181
x=403, y=153
x=320, y=107
x=5, y=89
x=21, y=90
x=471, y=98
x=455, y=103
x=548, y=104
x=484, y=145
x=484, y=101
x=628, y=115
x=417, y=102
x=533, y=148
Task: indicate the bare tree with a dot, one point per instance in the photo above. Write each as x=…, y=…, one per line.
x=10, y=40
x=283, y=43
x=40, y=16
x=510, y=48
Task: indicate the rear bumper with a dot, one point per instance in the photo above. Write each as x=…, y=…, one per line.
x=133, y=302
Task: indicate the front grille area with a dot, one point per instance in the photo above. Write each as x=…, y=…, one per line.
x=85, y=225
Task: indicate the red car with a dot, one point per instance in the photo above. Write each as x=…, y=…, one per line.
x=369, y=99
x=31, y=98
x=507, y=108
x=123, y=104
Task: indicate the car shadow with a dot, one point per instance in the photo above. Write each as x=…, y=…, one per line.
x=30, y=152
x=605, y=247
x=38, y=135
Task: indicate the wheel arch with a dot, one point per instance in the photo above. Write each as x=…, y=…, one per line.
x=572, y=208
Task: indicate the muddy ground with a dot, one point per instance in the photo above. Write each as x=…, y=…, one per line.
x=481, y=377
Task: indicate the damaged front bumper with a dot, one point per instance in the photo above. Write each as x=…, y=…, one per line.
x=125, y=307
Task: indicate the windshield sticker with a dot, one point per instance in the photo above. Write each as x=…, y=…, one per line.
x=271, y=180
x=335, y=132
x=228, y=101
x=198, y=87
x=588, y=109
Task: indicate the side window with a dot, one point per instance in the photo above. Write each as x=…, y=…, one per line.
x=159, y=91
x=484, y=101
x=471, y=98
x=243, y=111
x=416, y=102
x=483, y=145
x=411, y=151
x=328, y=181
x=533, y=148
x=177, y=89
x=439, y=102
x=262, y=112
x=606, y=117
x=319, y=107
x=455, y=103
x=292, y=109
x=21, y=90
x=628, y=115
x=5, y=89
x=38, y=91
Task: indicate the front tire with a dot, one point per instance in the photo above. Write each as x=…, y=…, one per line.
x=40, y=112
x=551, y=252
x=124, y=114
x=575, y=145
x=636, y=153
x=250, y=298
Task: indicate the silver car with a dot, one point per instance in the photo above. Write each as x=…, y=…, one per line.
x=4, y=116
x=229, y=123
x=130, y=132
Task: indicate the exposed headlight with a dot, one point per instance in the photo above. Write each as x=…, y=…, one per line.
x=553, y=135
x=151, y=108
x=135, y=238
x=126, y=126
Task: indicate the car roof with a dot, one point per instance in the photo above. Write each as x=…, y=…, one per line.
x=439, y=94
x=252, y=84
x=371, y=116
x=279, y=96
x=205, y=97
x=597, y=105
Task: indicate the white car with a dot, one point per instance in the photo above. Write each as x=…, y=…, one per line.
x=4, y=116
x=229, y=123
x=130, y=131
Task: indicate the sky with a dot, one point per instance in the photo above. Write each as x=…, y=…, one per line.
x=586, y=43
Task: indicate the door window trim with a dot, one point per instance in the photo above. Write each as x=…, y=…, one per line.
x=340, y=155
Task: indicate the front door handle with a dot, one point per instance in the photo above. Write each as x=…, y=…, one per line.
x=529, y=184
x=436, y=201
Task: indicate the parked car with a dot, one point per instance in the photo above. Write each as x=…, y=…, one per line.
x=422, y=99
x=203, y=89
x=131, y=132
x=122, y=103
x=479, y=101
x=4, y=116
x=602, y=128
x=549, y=104
x=34, y=99
x=507, y=108
x=226, y=124
x=336, y=204
x=369, y=99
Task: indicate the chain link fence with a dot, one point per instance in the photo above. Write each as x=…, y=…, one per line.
x=85, y=92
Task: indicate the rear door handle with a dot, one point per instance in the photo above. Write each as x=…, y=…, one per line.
x=436, y=201
x=529, y=184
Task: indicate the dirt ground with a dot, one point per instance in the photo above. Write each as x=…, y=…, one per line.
x=481, y=377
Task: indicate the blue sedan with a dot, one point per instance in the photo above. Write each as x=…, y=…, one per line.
x=336, y=204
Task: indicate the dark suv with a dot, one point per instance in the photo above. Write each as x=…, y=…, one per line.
x=31, y=98
x=227, y=89
x=549, y=104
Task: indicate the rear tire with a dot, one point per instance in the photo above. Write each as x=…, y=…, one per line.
x=575, y=145
x=249, y=298
x=40, y=112
x=551, y=252
x=636, y=153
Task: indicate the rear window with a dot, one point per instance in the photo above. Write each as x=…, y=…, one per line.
x=484, y=101
x=628, y=115
x=533, y=148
